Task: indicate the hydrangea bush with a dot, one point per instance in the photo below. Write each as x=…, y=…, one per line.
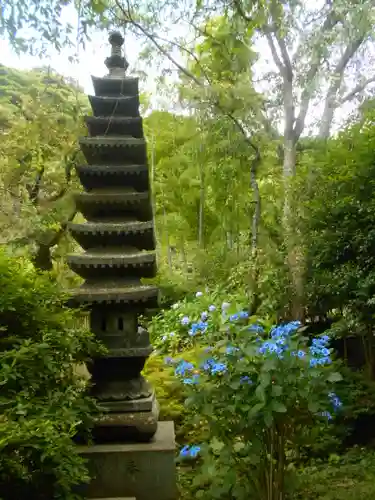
x=188, y=322
x=257, y=387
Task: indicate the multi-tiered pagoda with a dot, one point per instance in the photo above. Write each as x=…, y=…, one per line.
x=119, y=250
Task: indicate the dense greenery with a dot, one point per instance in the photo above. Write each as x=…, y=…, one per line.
x=42, y=399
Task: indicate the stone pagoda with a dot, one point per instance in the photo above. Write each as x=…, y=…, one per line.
x=119, y=250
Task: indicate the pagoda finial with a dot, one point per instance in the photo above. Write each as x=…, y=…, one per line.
x=116, y=63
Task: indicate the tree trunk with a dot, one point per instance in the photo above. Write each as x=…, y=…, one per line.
x=293, y=244
x=42, y=259
x=201, y=205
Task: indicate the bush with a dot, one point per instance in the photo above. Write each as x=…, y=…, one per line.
x=253, y=393
x=42, y=399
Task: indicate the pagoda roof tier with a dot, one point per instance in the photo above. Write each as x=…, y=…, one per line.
x=113, y=150
x=96, y=176
x=97, y=265
x=98, y=205
x=102, y=234
x=115, y=106
x=114, y=294
x=115, y=87
x=114, y=125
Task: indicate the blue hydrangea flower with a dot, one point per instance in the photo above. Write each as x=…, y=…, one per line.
x=199, y=294
x=246, y=380
x=301, y=354
x=190, y=451
x=231, y=349
x=335, y=400
x=270, y=347
x=183, y=367
x=285, y=330
x=326, y=414
x=234, y=317
x=218, y=368
x=320, y=352
x=256, y=328
x=168, y=360
x=201, y=326
x=244, y=315
x=194, y=451
x=185, y=320
x=204, y=315
x=191, y=380
x=207, y=364
x=214, y=367
x=212, y=308
x=185, y=451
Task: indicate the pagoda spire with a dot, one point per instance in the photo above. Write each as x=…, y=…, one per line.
x=116, y=63
x=118, y=245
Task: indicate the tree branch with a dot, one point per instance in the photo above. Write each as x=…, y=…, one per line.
x=330, y=22
x=359, y=88
x=330, y=102
x=152, y=38
x=241, y=12
x=285, y=56
x=275, y=55
x=35, y=188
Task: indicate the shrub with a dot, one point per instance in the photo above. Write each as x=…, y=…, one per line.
x=254, y=388
x=42, y=399
x=185, y=325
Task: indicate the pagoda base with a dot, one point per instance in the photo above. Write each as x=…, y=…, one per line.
x=140, y=470
x=119, y=427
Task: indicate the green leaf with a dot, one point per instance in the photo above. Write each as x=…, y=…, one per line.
x=313, y=406
x=335, y=377
x=216, y=445
x=260, y=394
x=269, y=365
x=278, y=407
x=235, y=384
x=256, y=409
x=238, y=447
x=276, y=390
x=268, y=419
x=265, y=379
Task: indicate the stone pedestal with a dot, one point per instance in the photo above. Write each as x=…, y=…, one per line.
x=144, y=471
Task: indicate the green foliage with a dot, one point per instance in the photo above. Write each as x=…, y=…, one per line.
x=39, y=150
x=349, y=477
x=171, y=396
x=42, y=399
x=340, y=231
x=254, y=393
x=171, y=329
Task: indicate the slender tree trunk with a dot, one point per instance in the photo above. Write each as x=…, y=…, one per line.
x=42, y=259
x=201, y=202
x=293, y=245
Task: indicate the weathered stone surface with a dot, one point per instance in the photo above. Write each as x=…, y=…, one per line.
x=115, y=125
x=132, y=426
x=127, y=85
x=130, y=405
x=122, y=390
x=145, y=471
